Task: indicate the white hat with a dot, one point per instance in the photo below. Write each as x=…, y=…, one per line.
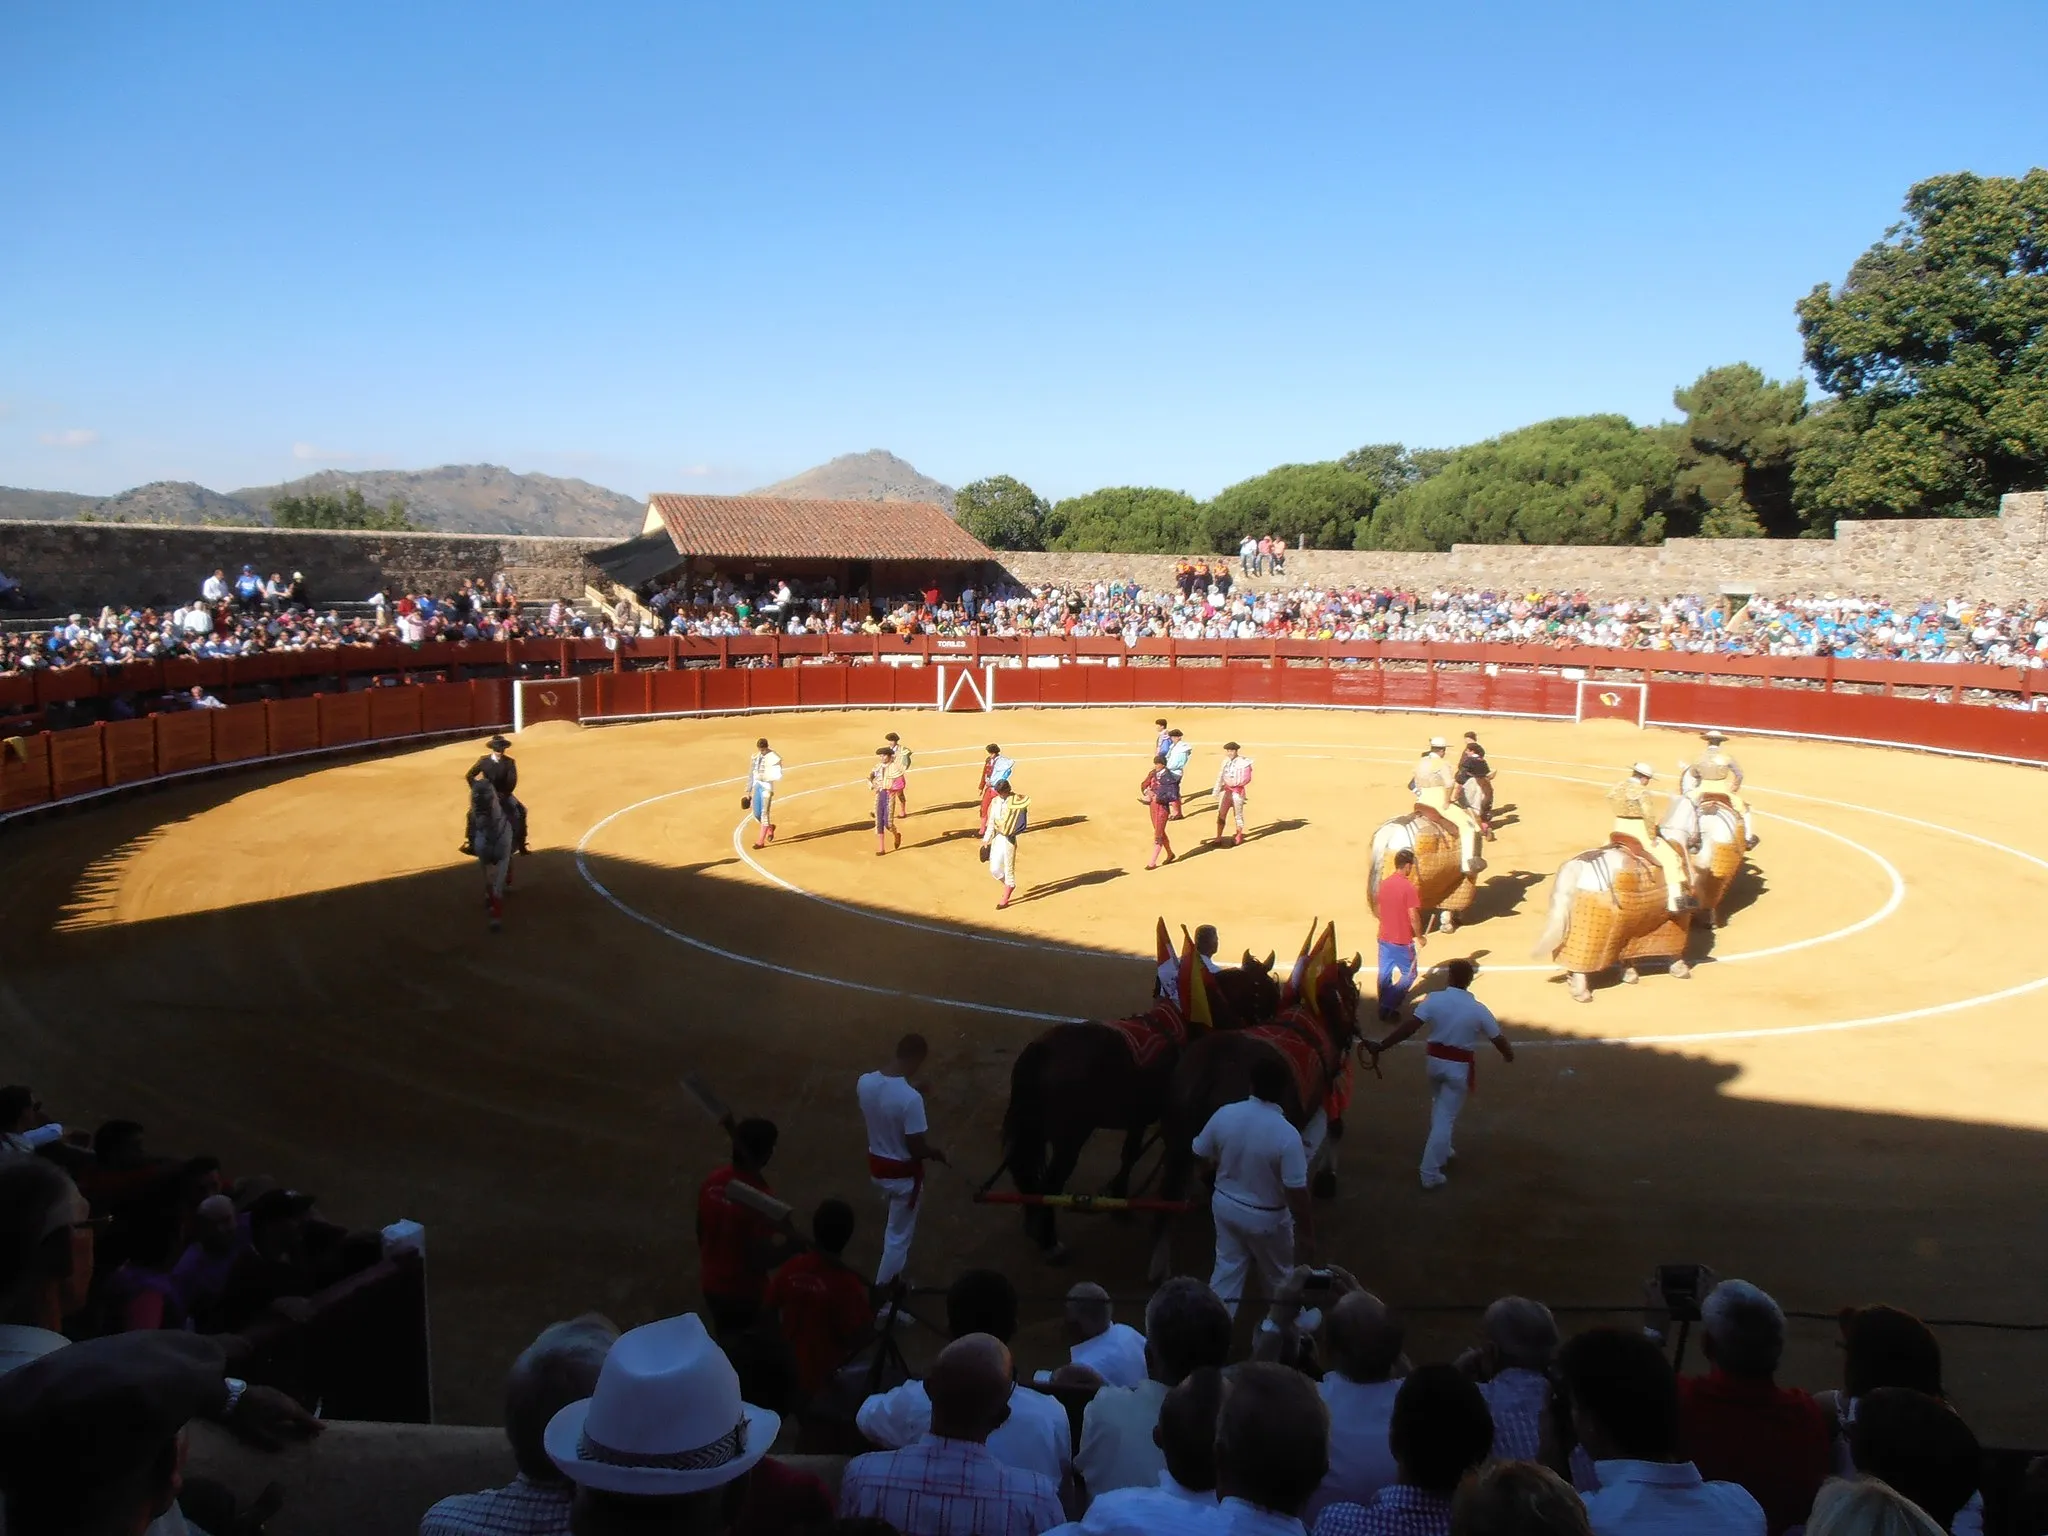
x=1646, y=770
x=666, y=1418
x=1436, y=742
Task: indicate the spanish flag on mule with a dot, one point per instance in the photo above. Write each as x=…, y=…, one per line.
x=1194, y=986
x=1318, y=956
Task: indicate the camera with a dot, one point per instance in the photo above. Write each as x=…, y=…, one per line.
x=1683, y=1287
x=1318, y=1280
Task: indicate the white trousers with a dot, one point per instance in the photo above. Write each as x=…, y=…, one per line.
x=1246, y=1237
x=897, y=1234
x=1447, y=1095
x=1002, y=859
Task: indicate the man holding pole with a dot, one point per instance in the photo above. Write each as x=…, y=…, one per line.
x=1457, y=1022
x=897, y=1148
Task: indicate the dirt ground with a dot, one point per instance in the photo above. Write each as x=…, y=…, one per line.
x=1845, y=1103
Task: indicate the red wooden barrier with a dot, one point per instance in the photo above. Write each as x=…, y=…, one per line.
x=242, y=731
x=447, y=706
x=677, y=693
x=130, y=748
x=723, y=689
x=76, y=762
x=870, y=685
x=770, y=689
x=17, y=690
x=184, y=740
x=822, y=687
x=24, y=778
x=294, y=725
x=493, y=701
x=394, y=712
x=344, y=718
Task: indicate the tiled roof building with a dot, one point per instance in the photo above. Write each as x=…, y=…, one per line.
x=767, y=528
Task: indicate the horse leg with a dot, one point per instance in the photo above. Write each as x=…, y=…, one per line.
x=1582, y=988
x=1066, y=1152
x=1134, y=1148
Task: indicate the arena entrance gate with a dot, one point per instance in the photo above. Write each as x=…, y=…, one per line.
x=546, y=698
x=1611, y=701
x=966, y=690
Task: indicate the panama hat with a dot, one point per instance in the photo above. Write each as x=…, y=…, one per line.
x=1645, y=770
x=1437, y=741
x=1713, y=738
x=666, y=1417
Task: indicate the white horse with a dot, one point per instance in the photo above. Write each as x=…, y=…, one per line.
x=1445, y=889
x=1713, y=834
x=491, y=840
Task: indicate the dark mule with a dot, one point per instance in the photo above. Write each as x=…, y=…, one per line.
x=1216, y=1070
x=1076, y=1079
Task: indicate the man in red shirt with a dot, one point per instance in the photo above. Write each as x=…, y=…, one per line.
x=1737, y=1424
x=1400, y=934
x=736, y=1247
x=823, y=1307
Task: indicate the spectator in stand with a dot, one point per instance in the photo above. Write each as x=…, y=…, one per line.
x=821, y=1307
x=1440, y=1431
x=1518, y=1342
x=1279, y=555
x=214, y=590
x=141, y=1295
x=1623, y=1398
x=275, y=592
x=1366, y=1365
x=201, y=699
x=1272, y=1451
x=1737, y=1424
x=949, y=1483
x=1920, y=1446
x=1517, y=1498
x=558, y=1368
x=1866, y=1507
x=249, y=589
x=1186, y=1330
x=1034, y=1435
x=736, y=1245
x=1186, y=1492
x=296, y=593
x=1885, y=1347
x=1114, y=1351
x=22, y=1118
x=204, y=1269
x=1248, y=555
x=1264, y=563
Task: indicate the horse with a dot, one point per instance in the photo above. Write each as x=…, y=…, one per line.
x=1440, y=877
x=490, y=840
x=1076, y=1079
x=1313, y=1036
x=1607, y=905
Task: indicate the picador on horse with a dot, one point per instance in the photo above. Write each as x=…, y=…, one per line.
x=498, y=770
x=1715, y=774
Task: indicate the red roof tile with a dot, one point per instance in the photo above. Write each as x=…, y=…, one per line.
x=767, y=527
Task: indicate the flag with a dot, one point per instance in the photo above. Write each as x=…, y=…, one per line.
x=1316, y=963
x=1162, y=942
x=1194, y=986
x=1291, y=992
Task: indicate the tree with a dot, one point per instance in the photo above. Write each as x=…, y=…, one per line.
x=1735, y=450
x=1935, y=350
x=324, y=509
x=1002, y=512
x=1575, y=480
x=1126, y=519
x=1310, y=505
x=1393, y=467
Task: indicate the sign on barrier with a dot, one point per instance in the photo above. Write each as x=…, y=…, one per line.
x=535, y=700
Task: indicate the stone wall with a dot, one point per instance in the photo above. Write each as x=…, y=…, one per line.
x=67, y=566
x=2003, y=557
x=81, y=565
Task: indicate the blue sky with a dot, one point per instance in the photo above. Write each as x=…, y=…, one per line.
x=669, y=246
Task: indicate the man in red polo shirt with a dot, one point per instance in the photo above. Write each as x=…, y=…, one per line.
x=1737, y=1424
x=737, y=1247
x=822, y=1307
x=1400, y=934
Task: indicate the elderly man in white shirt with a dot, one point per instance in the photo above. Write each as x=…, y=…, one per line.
x=1366, y=1365
x=1186, y=1330
x=1518, y=1340
x=1185, y=1495
x=1624, y=1408
x=1036, y=1435
x=1261, y=1198
x=1272, y=1451
x=1112, y=1350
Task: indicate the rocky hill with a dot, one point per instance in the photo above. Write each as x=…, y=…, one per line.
x=475, y=498
x=876, y=475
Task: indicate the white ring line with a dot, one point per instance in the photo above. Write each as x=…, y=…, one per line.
x=974, y=1007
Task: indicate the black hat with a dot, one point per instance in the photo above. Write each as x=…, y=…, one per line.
x=98, y=1413
x=278, y=1205
x=1230, y=746
x=498, y=744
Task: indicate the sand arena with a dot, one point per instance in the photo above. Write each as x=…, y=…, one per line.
x=291, y=969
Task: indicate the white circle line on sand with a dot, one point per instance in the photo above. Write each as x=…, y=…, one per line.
x=1707, y=1038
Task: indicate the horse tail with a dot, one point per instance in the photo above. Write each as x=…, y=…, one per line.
x=1024, y=1121
x=1558, y=920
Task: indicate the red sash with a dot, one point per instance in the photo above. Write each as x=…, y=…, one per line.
x=1457, y=1053
x=899, y=1168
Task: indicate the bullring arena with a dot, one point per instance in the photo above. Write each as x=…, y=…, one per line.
x=1847, y=1095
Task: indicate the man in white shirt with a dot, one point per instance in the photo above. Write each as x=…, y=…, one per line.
x=1186, y=1491
x=1458, y=1022
x=1261, y=1185
x=1365, y=1341
x=763, y=774
x=215, y=588
x=1206, y=945
x=1186, y=1330
x=1112, y=1350
x=1272, y=1451
x=897, y=1149
x=1035, y=1436
x=1624, y=1408
x=1518, y=1340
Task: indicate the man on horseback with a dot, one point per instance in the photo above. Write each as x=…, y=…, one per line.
x=1432, y=783
x=1633, y=819
x=1714, y=772
x=502, y=774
